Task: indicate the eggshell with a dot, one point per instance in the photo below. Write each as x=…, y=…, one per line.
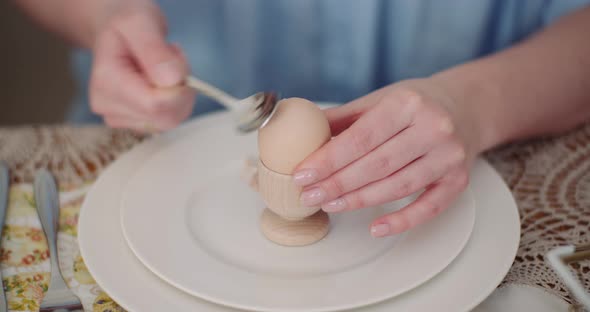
x=297, y=129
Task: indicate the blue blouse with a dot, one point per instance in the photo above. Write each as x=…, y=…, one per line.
x=334, y=50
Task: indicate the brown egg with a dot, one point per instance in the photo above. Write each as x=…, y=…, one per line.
x=297, y=129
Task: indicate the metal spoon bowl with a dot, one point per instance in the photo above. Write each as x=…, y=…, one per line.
x=252, y=112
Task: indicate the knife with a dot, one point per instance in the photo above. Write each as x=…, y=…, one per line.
x=58, y=296
x=4, y=182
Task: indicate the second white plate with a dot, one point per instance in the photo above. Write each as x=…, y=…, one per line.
x=190, y=219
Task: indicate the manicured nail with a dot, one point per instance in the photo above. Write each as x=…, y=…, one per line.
x=380, y=230
x=168, y=74
x=305, y=177
x=336, y=205
x=313, y=197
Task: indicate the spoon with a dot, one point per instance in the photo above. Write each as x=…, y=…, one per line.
x=252, y=112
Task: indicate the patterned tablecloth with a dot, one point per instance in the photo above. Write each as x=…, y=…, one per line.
x=550, y=179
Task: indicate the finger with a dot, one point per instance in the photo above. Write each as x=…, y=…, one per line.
x=167, y=108
x=179, y=102
x=411, y=143
x=165, y=120
x=410, y=179
x=144, y=125
x=341, y=117
x=374, y=166
x=179, y=51
x=145, y=37
x=372, y=129
x=428, y=205
x=116, y=80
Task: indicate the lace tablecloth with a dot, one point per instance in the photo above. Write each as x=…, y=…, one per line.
x=550, y=180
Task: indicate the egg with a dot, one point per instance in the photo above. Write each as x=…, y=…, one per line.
x=297, y=128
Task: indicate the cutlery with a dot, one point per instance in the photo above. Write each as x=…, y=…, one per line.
x=58, y=297
x=4, y=183
x=560, y=258
x=252, y=112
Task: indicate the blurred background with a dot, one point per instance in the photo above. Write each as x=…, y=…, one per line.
x=35, y=84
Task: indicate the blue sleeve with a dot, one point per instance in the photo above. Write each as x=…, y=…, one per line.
x=554, y=9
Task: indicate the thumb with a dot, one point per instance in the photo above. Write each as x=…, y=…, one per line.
x=159, y=60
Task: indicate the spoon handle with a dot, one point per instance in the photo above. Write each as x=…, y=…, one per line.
x=223, y=98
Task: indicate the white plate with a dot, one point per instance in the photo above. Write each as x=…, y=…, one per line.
x=190, y=218
x=469, y=279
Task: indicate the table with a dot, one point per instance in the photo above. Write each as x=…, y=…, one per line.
x=550, y=179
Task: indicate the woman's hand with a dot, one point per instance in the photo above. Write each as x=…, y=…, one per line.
x=389, y=144
x=136, y=74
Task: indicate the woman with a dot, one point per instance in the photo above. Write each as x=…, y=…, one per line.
x=429, y=85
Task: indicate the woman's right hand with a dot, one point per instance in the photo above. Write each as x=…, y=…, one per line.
x=136, y=80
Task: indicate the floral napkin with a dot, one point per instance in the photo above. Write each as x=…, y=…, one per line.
x=24, y=253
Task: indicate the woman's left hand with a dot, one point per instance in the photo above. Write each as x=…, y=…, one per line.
x=390, y=144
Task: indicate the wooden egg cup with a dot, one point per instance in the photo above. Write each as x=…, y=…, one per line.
x=285, y=221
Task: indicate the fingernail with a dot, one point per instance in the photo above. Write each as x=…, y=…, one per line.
x=380, y=230
x=336, y=205
x=305, y=177
x=168, y=74
x=313, y=197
